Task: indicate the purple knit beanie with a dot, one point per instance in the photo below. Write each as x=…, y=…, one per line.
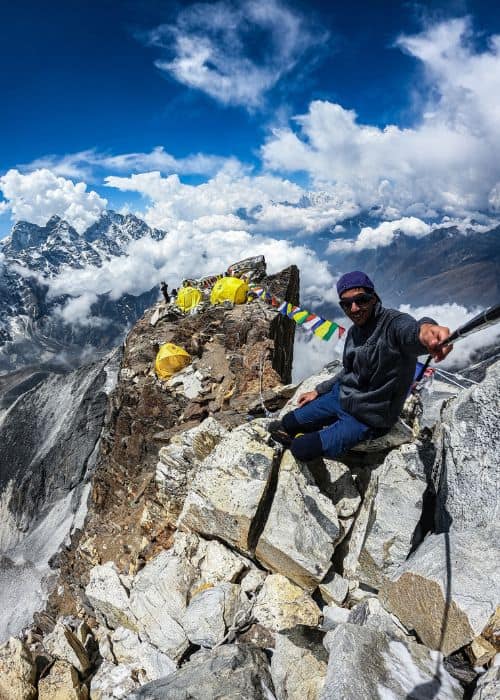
x=354, y=279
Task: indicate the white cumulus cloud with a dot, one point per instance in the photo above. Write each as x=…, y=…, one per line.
x=86, y=164
x=447, y=162
x=381, y=235
x=37, y=196
x=187, y=251
x=212, y=47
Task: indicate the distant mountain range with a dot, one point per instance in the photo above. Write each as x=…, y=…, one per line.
x=30, y=332
x=448, y=265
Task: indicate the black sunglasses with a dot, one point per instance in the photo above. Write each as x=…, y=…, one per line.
x=360, y=299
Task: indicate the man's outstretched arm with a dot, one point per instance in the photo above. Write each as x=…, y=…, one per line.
x=420, y=337
x=432, y=336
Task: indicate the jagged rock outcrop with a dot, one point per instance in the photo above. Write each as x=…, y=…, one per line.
x=467, y=470
x=302, y=527
x=299, y=664
x=62, y=683
x=488, y=685
x=458, y=572
x=392, y=507
x=297, y=581
x=234, y=351
x=368, y=663
x=229, y=493
x=17, y=672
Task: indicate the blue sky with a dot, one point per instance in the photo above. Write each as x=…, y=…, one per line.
x=99, y=92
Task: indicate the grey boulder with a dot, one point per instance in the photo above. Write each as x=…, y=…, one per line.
x=467, y=470
x=449, y=588
x=231, y=489
x=299, y=664
x=368, y=663
x=302, y=528
x=230, y=672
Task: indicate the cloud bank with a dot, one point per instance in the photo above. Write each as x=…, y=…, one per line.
x=448, y=162
x=187, y=251
x=381, y=235
x=87, y=164
x=235, y=52
x=37, y=196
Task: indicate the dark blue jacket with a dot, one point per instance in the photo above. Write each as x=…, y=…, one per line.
x=379, y=365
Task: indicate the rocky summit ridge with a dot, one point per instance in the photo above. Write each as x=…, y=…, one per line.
x=211, y=564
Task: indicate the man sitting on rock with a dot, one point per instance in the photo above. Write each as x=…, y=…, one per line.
x=366, y=398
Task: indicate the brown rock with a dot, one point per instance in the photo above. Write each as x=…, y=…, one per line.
x=17, y=672
x=62, y=683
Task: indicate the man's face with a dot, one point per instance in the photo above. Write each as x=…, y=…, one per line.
x=358, y=311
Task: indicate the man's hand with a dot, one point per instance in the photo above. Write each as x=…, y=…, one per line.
x=308, y=396
x=432, y=336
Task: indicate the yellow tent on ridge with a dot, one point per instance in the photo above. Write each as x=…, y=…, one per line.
x=230, y=289
x=188, y=298
x=170, y=359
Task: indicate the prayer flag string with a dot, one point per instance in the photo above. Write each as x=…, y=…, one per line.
x=321, y=327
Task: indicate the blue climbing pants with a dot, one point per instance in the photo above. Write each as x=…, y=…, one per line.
x=328, y=429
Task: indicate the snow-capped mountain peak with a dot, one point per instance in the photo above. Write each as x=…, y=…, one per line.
x=33, y=254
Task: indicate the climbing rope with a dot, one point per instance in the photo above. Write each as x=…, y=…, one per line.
x=262, y=360
x=243, y=618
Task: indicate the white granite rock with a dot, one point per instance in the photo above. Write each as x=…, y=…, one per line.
x=302, y=528
x=281, y=604
x=467, y=469
x=228, y=495
x=62, y=683
x=158, y=599
x=488, y=685
x=341, y=488
x=188, y=381
x=299, y=664
x=230, y=672
x=181, y=456
x=334, y=588
x=449, y=588
x=109, y=597
x=17, y=671
x=148, y=662
x=63, y=644
x=333, y=615
x=211, y=612
x=367, y=663
x=253, y=580
x=112, y=682
x=389, y=517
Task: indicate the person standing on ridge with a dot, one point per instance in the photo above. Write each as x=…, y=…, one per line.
x=164, y=289
x=366, y=398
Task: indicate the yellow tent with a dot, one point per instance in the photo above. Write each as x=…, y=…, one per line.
x=188, y=298
x=170, y=359
x=229, y=289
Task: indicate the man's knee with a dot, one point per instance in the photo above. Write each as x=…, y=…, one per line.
x=290, y=424
x=307, y=447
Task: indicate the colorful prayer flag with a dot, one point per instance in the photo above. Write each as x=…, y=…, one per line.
x=321, y=327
